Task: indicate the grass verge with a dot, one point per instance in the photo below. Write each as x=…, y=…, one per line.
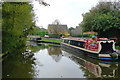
x=51, y=40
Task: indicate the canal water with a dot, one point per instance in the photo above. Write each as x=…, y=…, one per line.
x=52, y=61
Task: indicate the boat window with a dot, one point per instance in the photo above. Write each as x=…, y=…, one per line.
x=66, y=41
x=63, y=40
x=77, y=43
x=69, y=42
x=72, y=42
x=81, y=44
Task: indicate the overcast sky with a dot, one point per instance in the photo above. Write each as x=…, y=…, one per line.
x=66, y=11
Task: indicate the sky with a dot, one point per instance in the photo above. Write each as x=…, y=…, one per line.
x=68, y=12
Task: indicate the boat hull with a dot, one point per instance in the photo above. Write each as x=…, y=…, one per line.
x=88, y=54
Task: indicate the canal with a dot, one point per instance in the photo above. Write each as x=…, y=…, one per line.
x=52, y=61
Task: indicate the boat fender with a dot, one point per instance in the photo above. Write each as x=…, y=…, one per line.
x=114, y=55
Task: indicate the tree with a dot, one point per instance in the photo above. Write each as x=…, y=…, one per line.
x=70, y=29
x=56, y=26
x=104, y=18
x=39, y=31
x=16, y=24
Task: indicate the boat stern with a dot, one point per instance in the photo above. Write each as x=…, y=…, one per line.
x=108, y=57
x=107, y=51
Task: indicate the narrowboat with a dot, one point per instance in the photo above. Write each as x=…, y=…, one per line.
x=102, y=49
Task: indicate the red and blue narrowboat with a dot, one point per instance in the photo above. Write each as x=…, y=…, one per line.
x=103, y=48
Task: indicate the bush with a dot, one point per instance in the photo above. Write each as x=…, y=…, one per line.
x=54, y=35
x=80, y=35
x=86, y=35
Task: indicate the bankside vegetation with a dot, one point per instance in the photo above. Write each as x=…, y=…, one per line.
x=104, y=19
x=51, y=40
x=39, y=31
x=17, y=22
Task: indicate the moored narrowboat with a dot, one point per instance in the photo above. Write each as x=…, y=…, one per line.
x=103, y=48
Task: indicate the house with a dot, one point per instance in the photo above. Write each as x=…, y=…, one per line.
x=58, y=28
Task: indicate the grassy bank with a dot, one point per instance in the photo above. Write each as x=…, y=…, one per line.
x=51, y=40
x=48, y=40
x=28, y=38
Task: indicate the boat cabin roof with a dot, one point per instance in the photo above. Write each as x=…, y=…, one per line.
x=87, y=39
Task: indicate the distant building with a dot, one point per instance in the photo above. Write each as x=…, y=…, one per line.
x=57, y=28
x=52, y=28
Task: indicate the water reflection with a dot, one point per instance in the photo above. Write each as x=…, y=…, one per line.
x=93, y=68
x=18, y=65
x=34, y=47
x=51, y=64
x=55, y=53
x=49, y=61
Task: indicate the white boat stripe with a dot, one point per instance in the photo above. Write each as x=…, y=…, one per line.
x=81, y=48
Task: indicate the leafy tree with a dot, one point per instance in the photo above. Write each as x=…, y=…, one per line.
x=55, y=27
x=17, y=23
x=104, y=18
x=70, y=29
x=39, y=31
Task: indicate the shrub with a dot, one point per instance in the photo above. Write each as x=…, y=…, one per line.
x=80, y=35
x=54, y=35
